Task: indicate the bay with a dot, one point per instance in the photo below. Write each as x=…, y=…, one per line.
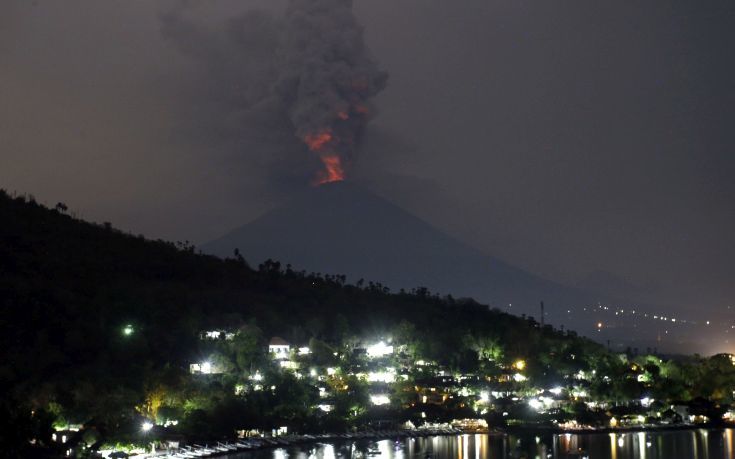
x=679, y=444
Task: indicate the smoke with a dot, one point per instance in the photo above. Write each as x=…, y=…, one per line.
x=277, y=87
x=327, y=80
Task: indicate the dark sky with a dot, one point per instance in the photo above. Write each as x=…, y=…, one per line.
x=564, y=137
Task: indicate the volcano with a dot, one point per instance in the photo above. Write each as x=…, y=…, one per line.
x=341, y=228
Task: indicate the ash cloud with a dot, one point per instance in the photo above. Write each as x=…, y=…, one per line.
x=269, y=82
x=328, y=76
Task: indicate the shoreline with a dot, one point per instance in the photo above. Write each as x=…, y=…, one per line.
x=260, y=443
x=240, y=446
x=607, y=430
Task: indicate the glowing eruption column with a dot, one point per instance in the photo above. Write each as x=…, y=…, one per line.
x=327, y=81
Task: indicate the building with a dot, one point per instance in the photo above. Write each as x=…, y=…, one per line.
x=279, y=348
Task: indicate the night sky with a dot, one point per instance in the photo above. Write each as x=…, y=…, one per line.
x=567, y=138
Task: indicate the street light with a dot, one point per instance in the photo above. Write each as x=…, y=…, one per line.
x=146, y=426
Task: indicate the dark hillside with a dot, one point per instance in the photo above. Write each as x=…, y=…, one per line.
x=69, y=288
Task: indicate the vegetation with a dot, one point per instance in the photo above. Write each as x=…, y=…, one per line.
x=100, y=329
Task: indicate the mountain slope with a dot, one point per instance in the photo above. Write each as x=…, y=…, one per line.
x=341, y=228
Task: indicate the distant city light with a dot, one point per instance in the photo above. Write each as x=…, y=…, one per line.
x=146, y=426
x=520, y=364
x=128, y=330
x=206, y=367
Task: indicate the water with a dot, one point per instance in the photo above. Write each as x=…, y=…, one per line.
x=683, y=444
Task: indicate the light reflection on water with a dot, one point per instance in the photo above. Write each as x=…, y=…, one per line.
x=683, y=444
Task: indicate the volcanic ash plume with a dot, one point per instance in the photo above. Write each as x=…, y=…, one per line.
x=327, y=80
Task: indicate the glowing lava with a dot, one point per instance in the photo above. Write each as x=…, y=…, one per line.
x=318, y=142
x=322, y=143
x=333, y=171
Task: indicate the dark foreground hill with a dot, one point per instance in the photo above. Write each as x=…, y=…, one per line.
x=69, y=288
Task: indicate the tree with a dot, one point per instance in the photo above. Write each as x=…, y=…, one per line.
x=247, y=346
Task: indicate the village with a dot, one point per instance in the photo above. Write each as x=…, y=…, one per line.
x=407, y=391
x=281, y=393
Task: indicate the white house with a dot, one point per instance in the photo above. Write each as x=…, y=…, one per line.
x=216, y=334
x=205, y=368
x=279, y=348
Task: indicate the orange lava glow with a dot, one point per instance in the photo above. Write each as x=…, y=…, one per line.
x=323, y=143
x=317, y=142
x=333, y=171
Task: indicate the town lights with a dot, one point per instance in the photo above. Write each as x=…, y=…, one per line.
x=379, y=399
x=520, y=364
x=128, y=330
x=146, y=426
x=388, y=376
x=379, y=350
x=206, y=367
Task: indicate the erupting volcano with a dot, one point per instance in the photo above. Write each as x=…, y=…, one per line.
x=342, y=228
x=327, y=81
